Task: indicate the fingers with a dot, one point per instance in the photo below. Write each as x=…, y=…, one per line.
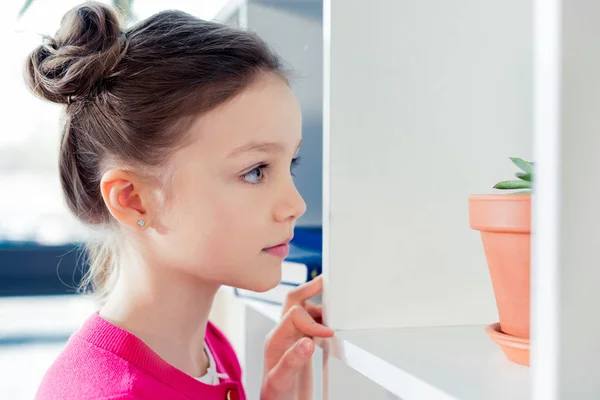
x=305, y=291
x=297, y=319
x=295, y=323
x=282, y=378
x=314, y=310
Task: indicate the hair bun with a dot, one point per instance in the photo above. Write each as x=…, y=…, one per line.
x=85, y=51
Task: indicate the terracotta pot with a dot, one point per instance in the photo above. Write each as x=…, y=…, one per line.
x=516, y=349
x=504, y=221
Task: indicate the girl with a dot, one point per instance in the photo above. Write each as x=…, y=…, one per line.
x=178, y=141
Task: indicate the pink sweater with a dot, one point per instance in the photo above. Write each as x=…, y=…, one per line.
x=103, y=361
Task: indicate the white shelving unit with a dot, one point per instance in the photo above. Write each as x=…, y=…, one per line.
x=433, y=363
x=457, y=362
x=409, y=107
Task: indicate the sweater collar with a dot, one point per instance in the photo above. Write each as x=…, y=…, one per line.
x=107, y=336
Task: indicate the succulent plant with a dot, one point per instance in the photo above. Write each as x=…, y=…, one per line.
x=525, y=177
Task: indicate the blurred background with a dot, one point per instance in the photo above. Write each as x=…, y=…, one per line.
x=39, y=265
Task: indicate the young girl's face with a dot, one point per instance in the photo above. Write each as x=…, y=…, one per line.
x=232, y=196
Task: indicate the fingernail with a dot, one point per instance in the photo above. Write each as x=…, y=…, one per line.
x=328, y=330
x=306, y=346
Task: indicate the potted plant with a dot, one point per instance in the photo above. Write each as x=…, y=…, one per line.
x=504, y=220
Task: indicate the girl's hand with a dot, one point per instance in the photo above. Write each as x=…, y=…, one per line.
x=289, y=346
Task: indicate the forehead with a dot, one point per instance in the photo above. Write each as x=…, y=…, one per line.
x=267, y=111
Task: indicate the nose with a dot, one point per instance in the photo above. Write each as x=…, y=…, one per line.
x=291, y=205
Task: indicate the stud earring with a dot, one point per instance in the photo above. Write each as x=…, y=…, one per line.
x=141, y=223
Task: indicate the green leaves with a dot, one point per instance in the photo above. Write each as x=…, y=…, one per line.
x=525, y=166
x=524, y=176
x=509, y=185
x=525, y=180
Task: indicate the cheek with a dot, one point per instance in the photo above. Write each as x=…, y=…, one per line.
x=220, y=227
x=237, y=227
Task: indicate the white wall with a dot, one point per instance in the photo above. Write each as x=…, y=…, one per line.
x=424, y=103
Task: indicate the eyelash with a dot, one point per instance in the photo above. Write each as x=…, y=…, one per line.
x=263, y=167
x=295, y=162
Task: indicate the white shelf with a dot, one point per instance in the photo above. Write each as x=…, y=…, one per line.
x=433, y=363
x=427, y=363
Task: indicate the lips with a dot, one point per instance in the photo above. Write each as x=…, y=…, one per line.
x=281, y=250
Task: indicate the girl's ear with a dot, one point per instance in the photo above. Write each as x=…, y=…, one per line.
x=130, y=200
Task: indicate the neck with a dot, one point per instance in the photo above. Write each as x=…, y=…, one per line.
x=167, y=309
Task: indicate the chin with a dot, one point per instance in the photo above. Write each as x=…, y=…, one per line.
x=266, y=281
x=266, y=284
x=260, y=276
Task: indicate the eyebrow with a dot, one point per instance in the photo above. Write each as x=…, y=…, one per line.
x=260, y=147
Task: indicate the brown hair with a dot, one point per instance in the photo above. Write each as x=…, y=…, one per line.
x=131, y=94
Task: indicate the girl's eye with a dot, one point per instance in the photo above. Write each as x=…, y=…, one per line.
x=255, y=176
